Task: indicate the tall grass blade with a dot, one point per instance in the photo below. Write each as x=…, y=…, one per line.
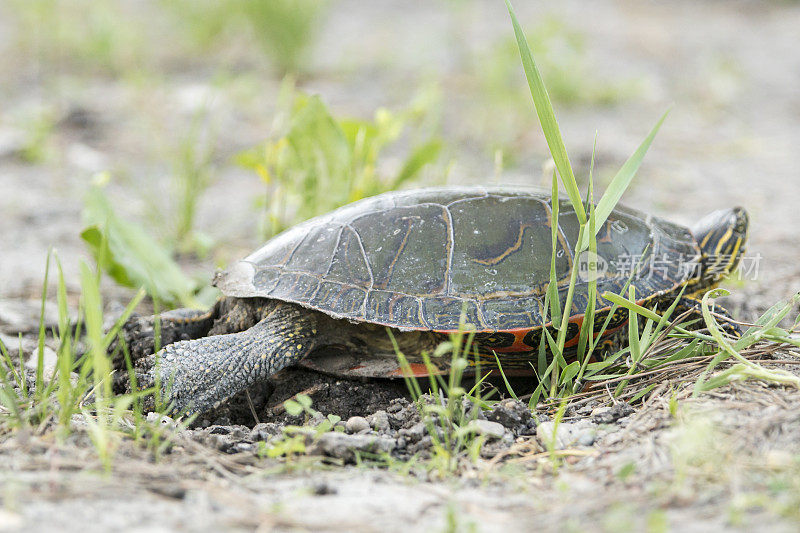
x=552, y=304
x=547, y=118
x=40, y=344
x=619, y=184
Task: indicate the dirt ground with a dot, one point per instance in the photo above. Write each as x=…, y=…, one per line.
x=726, y=460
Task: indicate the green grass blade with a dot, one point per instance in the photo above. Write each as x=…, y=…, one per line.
x=40, y=345
x=552, y=304
x=587, y=327
x=619, y=184
x=503, y=375
x=547, y=118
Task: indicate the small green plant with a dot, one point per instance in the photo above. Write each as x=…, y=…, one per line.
x=38, y=146
x=301, y=405
x=94, y=35
x=285, y=29
x=317, y=163
x=192, y=175
x=77, y=389
x=449, y=409
x=295, y=439
x=79, y=383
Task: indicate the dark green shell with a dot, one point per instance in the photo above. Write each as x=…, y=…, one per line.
x=418, y=259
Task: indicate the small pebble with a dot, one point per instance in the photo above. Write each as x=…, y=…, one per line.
x=379, y=421
x=491, y=430
x=356, y=424
x=264, y=431
x=567, y=434
x=163, y=420
x=586, y=438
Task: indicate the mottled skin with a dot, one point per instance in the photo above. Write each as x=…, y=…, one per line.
x=249, y=335
x=244, y=341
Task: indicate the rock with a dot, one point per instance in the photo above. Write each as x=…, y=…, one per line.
x=22, y=316
x=487, y=428
x=323, y=489
x=162, y=420
x=264, y=431
x=379, y=421
x=424, y=445
x=512, y=414
x=415, y=432
x=567, y=434
x=356, y=424
x=233, y=432
x=78, y=423
x=397, y=405
x=219, y=442
x=344, y=446
x=587, y=437
x=240, y=447
x=49, y=360
x=610, y=415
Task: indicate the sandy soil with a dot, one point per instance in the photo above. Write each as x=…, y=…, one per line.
x=729, y=70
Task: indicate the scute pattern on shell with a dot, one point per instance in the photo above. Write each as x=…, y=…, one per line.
x=420, y=259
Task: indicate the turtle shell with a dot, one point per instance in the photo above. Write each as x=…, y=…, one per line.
x=422, y=259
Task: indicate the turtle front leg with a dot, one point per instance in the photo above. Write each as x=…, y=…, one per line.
x=726, y=322
x=198, y=375
x=140, y=332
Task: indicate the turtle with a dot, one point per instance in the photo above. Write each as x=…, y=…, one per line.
x=343, y=292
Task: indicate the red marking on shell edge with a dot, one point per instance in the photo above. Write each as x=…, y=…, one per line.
x=417, y=370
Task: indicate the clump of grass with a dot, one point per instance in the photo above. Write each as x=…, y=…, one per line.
x=284, y=30
x=449, y=409
x=560, y=377
x=79, y=383
x=316, y=162
x=77, y=390
x=294, y=440
x=192, y=175
x=88, y=34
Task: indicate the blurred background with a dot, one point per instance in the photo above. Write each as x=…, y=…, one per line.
x=170, y=137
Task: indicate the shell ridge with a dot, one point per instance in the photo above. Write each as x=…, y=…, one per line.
x=335, y=250
x=451, y=241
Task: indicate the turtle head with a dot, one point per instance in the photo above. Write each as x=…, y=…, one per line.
x=722, y=236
